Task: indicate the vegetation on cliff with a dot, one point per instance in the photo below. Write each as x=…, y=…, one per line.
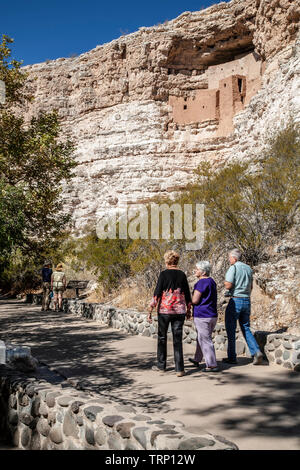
x=33, y=163
x=249, y=205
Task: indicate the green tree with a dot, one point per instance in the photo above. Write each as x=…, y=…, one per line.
x=34, y=161
x=106, y=258
x=11, y=74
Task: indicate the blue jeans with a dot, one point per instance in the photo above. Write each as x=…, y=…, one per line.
x=238, y=309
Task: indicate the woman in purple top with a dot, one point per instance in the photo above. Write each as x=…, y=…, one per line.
x=205, y=316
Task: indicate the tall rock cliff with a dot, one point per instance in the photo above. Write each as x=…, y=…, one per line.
x=146, y=109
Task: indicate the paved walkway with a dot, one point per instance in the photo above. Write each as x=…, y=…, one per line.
x=255, y=407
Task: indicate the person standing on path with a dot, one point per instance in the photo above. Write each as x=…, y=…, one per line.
x=58, y=285
x=46, y=279
x=205, y=315
x=239, y=282
x=172, y=298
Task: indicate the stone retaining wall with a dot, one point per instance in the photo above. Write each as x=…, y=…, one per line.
x=39, y=416
x=284, y=350
x=279, y=348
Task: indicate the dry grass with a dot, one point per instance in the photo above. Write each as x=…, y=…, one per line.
x=130, y=294
x=136, y=297
x=97, y=296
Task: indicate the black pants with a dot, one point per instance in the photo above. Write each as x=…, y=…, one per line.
x=176, y=321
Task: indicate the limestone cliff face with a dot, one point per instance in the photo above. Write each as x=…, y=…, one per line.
x=148, y=108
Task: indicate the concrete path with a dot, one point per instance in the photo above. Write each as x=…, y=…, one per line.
x=258, y=408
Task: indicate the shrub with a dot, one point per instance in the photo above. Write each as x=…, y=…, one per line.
x=106, y=258
x=248, y=206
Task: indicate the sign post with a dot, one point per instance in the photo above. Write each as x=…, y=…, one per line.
x=77, y=285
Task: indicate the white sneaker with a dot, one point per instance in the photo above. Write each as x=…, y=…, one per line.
x=258, y=358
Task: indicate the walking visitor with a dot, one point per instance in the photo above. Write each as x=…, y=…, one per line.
x=239, y=282
x=58, y=285
x=172, y=298
x=46, y=284
x=205, y=315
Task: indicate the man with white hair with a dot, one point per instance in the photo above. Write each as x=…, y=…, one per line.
x=239, y=282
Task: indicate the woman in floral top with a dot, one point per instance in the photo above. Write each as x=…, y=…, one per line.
x=172, y=298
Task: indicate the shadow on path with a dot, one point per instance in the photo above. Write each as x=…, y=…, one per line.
x=82, y=352
x=273, y=402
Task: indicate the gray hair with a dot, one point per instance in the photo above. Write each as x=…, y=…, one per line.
x=204, y=266
x=236, y=253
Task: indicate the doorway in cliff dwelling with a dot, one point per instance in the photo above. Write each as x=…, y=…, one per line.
x=240, y=87
x=241, y=84
x=218, y=104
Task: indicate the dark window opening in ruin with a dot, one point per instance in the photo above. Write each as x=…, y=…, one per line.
x=169, y=71
x=242, y=99
x=123, y=56
x=240, y=84
x=184, y=106
x=218, y=99
x=203, y=107
x=185, y=99
x=224, y=85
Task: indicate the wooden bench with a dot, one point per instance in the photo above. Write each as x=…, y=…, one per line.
x=77, y=285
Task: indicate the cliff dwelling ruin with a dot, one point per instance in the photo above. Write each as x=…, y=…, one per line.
x=226, y=89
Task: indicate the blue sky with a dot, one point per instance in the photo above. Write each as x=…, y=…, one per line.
x=49, y=30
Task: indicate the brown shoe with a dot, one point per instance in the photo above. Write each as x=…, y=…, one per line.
x=180, y=374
